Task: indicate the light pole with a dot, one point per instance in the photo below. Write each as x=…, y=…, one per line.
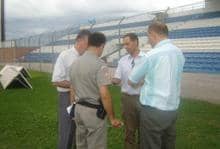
x=2, y=20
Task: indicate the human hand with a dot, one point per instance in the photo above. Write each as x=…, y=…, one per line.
x=116, y=123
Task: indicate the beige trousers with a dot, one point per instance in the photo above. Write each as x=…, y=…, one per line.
x=91, y=131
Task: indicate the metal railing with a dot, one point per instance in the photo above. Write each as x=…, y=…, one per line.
x=44, y=48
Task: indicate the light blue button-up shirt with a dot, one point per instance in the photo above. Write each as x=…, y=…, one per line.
x=161, y=68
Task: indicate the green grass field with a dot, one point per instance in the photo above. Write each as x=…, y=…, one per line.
x=28, y=119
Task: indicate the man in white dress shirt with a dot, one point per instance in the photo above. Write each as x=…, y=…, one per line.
x=130, y=95
x=61, y=79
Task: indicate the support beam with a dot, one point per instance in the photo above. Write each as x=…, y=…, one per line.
x=2, y=28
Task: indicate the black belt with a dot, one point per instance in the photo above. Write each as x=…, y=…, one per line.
x=87, y=104
x=129, y=94
x=101, y=113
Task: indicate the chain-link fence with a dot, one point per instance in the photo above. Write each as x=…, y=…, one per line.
x=192, y=28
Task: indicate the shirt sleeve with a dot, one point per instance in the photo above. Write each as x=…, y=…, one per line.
x=139, y=71
x=103, y=76
x=71, y=72
x=118, y=71
x=59, y=72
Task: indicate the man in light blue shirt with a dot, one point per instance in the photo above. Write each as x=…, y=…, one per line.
x=160, y=95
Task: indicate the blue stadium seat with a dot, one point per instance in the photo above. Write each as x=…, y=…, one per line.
x=202, y=62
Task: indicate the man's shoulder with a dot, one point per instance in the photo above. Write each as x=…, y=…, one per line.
x=124, y=58
x=101, y=62
x=92, y=61
x=165, y=50
x=68, y=53
x=142, y=53
x=64, y=52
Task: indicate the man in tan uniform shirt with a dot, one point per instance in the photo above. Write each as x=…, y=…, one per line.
x=89, y=80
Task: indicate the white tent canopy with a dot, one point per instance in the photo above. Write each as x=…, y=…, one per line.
x=11, y=76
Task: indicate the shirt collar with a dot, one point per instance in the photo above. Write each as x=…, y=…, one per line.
x=162, y=42
x=140, y=54
x=88, y=52
x=75, y=51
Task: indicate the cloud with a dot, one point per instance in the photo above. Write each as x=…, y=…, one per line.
x=28, y=17
x=48, y=8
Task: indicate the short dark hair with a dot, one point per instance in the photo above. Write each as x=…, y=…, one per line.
x=96, y=39
x=83, y=33
x=159, y=28
x=132, y=36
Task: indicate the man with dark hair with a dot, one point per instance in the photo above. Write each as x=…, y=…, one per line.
x=89, y=81
x=60, y=79
x=160, y=94
x=130, y=95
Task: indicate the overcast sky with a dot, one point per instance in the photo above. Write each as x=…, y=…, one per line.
x=28, y=17
x=45, y=8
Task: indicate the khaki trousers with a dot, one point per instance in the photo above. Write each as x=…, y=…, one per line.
x=130, y=115
x=91, y=131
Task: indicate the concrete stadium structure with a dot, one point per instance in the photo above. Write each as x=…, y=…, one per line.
x=193, y=28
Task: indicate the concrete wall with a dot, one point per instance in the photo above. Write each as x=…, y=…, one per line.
x=212, y=5
x=201, y=86
x=205, y=87
x=12, y=54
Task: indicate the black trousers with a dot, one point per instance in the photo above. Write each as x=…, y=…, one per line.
x=66, y=126
x=157, y=128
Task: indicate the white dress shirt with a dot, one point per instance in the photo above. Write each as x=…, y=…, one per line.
x=62, y=66
x=125, y=65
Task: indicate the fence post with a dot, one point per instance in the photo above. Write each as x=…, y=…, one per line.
x=53, y=55
x=39, y=44
x=14, y=52
x=92, y=23
x=29, y=63
x=2, y=57
x=119, y=34
x=68, y=36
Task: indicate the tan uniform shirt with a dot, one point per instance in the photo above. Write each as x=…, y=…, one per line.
x=87, y=74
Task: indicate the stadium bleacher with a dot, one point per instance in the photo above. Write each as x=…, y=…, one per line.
x=197, y=33
x=202, y=62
